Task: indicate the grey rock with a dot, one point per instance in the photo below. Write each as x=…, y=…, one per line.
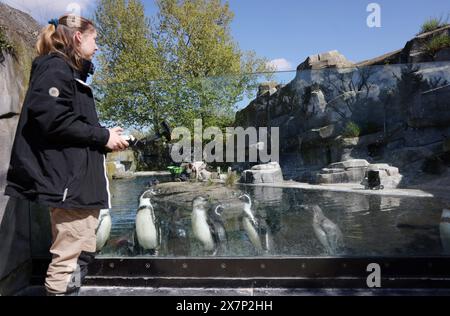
x=415, y=50
x=317, y=104
x=334, y=170
x=7, y=133
x=269, y=173
x=354, y=163
x=171, y=196
x=332, y=178
x=442, y=55
x=267, y=87
x=331, y=59
x=430, y=109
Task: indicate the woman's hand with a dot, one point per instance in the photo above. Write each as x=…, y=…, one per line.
x=116, y=142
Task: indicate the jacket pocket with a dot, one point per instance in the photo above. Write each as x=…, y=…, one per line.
x=78, y=166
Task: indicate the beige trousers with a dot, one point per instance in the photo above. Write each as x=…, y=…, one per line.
x=74, y=240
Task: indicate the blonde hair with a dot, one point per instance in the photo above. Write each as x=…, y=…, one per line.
x=60, y=39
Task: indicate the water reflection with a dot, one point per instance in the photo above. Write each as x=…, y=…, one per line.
x=277, y=222
x=327, y=232
x=445, y=231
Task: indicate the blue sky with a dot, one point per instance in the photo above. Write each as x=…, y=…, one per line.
x=294, y=29
x=291, y=30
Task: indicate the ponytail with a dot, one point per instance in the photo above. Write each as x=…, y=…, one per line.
x=58, y=37
x=44, y=45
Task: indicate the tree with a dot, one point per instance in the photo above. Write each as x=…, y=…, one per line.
x=182, y=66
x=129, y=61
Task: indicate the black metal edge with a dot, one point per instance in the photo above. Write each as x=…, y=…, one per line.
x=436, y=267
x=307, y=283
x=272, y=267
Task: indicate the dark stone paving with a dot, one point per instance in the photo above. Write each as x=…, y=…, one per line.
x=135, y=291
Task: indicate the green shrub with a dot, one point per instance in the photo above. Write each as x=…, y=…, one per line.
x=351, y=130
x=432, y=24
x=5, y=45
x=437, y=43
x=231, y=180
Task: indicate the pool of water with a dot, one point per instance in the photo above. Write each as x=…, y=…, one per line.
x=351, y=225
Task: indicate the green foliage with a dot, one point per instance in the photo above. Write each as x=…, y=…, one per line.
x=127, y=61
x=437, y=43
x=231, y=180
x=179, y=66
x=5, y=45
x=351, y=130
x=432, y=24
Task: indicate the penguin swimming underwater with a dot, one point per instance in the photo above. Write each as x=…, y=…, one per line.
x=103, y=229
x=256, y=227
x=207, y=225
x=148, y=232
x=328, y=233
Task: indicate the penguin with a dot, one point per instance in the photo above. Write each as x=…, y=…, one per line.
x=207, y=225
x=200, y=226
x=103, y=229
x=256, y=227
x=444, y=228
x=147, y=233
x=217, y=226
x=328, y=233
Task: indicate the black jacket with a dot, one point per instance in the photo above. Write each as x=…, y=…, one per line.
x=58, y=156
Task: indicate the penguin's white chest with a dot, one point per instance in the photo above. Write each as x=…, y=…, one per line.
x=146, y=229
x=202, y=231
x=252, y=233
x=321, y=234
x=103, y=232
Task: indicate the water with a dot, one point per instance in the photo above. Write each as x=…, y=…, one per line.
x=370, y=225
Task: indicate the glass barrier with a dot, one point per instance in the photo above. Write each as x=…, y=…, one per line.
x=359, y=149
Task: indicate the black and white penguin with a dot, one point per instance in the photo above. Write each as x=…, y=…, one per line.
x=148, y=233
x=444, y=228
x=256, y=227
x=200, y=226
x=103, y=230
x=327, y=232
x=207, y=225
x=216, y=223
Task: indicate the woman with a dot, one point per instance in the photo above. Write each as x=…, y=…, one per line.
x=58, y=156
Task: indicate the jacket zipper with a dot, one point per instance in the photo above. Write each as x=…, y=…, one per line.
x=65, y=194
